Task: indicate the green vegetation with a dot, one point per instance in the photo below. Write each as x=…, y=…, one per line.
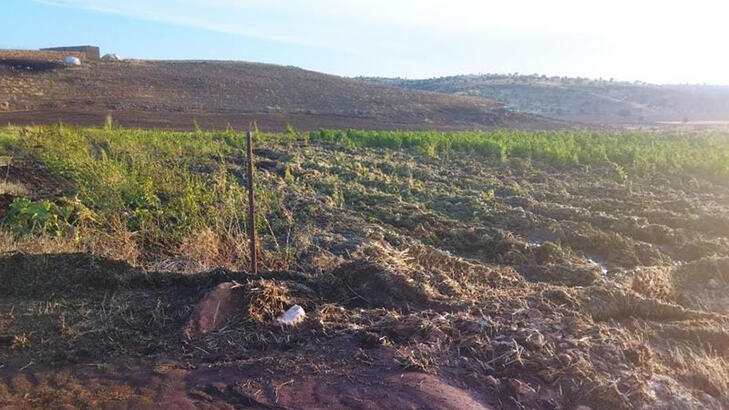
x=158, y=189
x=146, y=195
x=26, y=217
x=640, y=152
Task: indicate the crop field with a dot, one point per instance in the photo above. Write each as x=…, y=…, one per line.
x=500, y=269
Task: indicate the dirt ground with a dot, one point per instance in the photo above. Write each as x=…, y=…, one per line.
x=319, y=377
x=428, y=282
x=239, y=120
x=36, y=89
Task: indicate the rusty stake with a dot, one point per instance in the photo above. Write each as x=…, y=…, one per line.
x=251, y=206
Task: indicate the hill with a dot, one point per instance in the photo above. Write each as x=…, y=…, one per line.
x=35, y=88
x=585, y=100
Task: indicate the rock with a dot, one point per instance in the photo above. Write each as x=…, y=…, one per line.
x=293, y=316
x=213, y=310
x=713, y=284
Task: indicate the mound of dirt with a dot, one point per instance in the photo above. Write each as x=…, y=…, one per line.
x=213, y=310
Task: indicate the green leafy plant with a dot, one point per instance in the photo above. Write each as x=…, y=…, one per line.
x=36, y=217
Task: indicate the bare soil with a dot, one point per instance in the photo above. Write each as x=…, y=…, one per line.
x=36, y=89
x=319, y=377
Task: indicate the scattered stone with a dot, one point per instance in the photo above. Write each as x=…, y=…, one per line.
x=213, y=310
x=293, y=316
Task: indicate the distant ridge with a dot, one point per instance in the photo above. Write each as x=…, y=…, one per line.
x=584, y=100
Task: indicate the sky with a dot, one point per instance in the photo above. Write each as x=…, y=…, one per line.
x=656, y=41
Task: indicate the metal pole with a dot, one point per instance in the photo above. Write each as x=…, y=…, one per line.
x=251, y=206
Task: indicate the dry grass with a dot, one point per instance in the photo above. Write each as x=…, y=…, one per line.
x=202, y=251
x=13, y=189
x=702, y=370
x=266, y=300
x=9, y=243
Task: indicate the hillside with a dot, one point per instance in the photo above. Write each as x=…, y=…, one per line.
x=34, y=88
x=585, y=100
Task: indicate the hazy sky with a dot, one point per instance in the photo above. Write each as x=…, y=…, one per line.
x=657, y=41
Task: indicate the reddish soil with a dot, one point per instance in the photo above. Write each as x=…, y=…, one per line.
x=249, y=383
x=291, y=368
x=173, y=94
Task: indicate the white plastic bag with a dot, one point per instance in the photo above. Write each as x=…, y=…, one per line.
x=293, y=316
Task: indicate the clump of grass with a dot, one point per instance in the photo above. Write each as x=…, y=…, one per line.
x=266, y=300
x=703, y=371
